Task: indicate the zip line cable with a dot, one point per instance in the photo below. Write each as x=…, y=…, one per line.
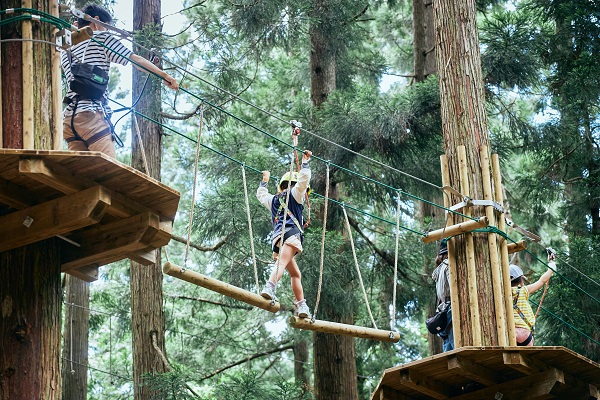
x=364, y=177
x=61, y=23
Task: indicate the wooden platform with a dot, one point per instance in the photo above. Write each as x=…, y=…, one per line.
x=504, y=373
x=104, y=210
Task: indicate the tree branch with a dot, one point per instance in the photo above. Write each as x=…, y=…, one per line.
x=252, y=357
x=202, y=248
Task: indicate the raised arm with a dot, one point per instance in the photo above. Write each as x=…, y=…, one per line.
x=303, y=179
x=262, y=193
x=168, y=79
x=545, y=276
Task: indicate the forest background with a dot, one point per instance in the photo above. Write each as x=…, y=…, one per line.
x=539, y=60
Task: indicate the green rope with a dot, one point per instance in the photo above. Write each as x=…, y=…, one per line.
x=260, y=172
x=349, y=171
x=565, y=322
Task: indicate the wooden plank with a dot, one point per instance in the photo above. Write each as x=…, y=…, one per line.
x=66, y=181
x=538, y=386
x=15, y=196
x=424, y=384
x=497, y=288
x=499, y=197
x=453, y=230
x=143, y=257
x=102, y=244
x=89, y=273
x=220, y=287
x=473, y=371
x=55, y=217
x=523, y=363
x=387, y=393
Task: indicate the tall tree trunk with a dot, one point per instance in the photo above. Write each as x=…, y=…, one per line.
x=146, y=281
x=464, y=124
x=30, y=292
x=335, y=375
x=75, y=339
x=424, y=39
x=301, y=357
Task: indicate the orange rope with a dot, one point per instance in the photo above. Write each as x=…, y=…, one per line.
x=542, y=299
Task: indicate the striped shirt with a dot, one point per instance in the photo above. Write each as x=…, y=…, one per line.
x=524, y=306
x=441, y=276
x=94, y=53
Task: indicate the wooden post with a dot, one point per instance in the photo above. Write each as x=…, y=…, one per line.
x=27, y=87
x=453, y=268
x=470, y=252
x=56, y=90
x=515, y=247
x=457, y=229
x=336, y=328
x=220, y=287
x=497, y=282
x=499, y=198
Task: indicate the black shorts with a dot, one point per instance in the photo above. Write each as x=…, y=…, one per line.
x=288, y=234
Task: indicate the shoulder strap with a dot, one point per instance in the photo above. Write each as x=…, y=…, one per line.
x=282, y=206
x=518, y=310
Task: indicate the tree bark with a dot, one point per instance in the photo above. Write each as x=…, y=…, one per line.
x=30, y=295
x=30, y=292
x=75, y=339
x=146, y=281
x=424, y=40
x=301, y=354
x=464, y=124
x=335, y=375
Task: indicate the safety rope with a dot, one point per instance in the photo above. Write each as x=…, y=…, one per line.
x=394, y=284
x=323, y=232
x=541, y=300
x=362, y=285
x=140, y=141
x=189, y=232
x=250, y=226
x=285, y=213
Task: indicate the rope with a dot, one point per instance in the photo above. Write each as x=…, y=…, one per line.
x=396, y=262
x=250, y=226
x=565, y=322
x=362, y=285
x=189, y=232
x=141, y=142
x=323, y=232
x=541, y=300
x=285, y=212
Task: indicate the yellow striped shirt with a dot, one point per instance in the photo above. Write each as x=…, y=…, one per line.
x=524, y=306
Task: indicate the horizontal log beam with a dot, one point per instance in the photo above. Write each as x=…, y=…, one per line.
x=425, y=384
x=111, y=242
x=336, y=328
x=220, y=287
x=515, y=247
x=454, y=230
x=55, y=217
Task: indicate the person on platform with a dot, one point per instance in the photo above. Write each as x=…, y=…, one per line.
x=293, y=233
x=524, y=315
x=441, y=277
x=86, y=118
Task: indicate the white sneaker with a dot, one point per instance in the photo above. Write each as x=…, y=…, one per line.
x=269, y=293
x=303, y=311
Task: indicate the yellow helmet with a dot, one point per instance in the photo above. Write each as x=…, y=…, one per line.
x=291, y=177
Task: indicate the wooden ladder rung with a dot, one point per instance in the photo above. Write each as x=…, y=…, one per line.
x=336, y=328
x=220, y=287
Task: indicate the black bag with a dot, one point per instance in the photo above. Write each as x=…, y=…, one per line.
x=439, y=321
x=89, y=81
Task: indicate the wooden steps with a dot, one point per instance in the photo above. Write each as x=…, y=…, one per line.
x=105, y=210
